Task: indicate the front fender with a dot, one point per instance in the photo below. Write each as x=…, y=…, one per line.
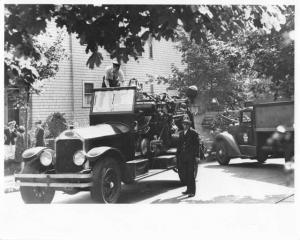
x=97, y=152
x=231, y=145
x=32, y=153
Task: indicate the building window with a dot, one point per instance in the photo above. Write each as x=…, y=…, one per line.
x=150, y=48
x=87, y=93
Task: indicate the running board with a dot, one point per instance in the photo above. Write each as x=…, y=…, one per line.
x=152, y=173
x=163, y=162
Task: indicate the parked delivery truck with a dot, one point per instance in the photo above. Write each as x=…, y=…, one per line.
x=251, y=137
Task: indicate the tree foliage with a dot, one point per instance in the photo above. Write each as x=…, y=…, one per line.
x=122, y=30
x=26, y=73
x=212, y=67
x=56, y=124
x=252, y=64
x=272, y=54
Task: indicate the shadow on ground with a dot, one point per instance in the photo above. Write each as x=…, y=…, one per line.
x=228, y=199
x=146, y=189
x=275, y=173
x=132, y=193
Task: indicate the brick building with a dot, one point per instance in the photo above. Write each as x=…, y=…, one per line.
x=69, y=92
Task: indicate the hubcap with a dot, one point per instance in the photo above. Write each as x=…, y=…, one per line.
x=220, y=152
x=144, y=148
x=109, y=185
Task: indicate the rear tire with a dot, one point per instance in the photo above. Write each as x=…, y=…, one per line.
x=36, y=194
x=222, y=153
x=106, y=181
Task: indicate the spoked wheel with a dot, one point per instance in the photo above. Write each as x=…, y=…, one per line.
x=106, y=181
x=36, y=194
x=221, y=153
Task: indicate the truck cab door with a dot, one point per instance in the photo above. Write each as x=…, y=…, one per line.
x=245, y=134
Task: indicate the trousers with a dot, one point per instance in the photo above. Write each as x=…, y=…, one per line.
x=191, y=183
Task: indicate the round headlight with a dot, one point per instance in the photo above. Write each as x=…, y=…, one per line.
x=46, y=158
x=79, y=158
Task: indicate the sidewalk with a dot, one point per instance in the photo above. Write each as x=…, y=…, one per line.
x=10, y=185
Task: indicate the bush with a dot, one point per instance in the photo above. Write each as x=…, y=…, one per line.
x=56, y=123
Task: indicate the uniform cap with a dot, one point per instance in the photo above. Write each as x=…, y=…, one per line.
x=11, y=123
x=116, y=62
x=21, y=129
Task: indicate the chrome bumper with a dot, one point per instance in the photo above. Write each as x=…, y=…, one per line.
x=79, y=180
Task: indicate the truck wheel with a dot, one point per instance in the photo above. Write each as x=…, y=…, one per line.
x=106, y=186
x=36, y=194
x=145, y=147
x=183, y=174
x=222, y=153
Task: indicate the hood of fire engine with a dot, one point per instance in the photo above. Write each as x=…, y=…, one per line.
x=97, y=131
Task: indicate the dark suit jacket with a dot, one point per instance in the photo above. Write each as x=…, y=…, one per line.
x=188, y=146
x=10, y=136
x=40, y=137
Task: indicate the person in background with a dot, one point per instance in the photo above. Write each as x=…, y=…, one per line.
x=114, y=76
x=186, y=109
x=10, y=134
x=188, y=154
x=20, y=147
x=39, y=134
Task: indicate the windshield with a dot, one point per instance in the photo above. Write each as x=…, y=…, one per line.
x=117, y=100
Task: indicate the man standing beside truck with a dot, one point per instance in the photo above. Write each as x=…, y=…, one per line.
x=188, y=154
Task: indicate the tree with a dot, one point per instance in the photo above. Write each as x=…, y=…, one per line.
x=122, y=30
x=273, y=59
x=211, y=66
x=252, y=63
x=27, y=74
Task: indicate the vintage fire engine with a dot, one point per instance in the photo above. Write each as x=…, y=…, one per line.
x=131, y=136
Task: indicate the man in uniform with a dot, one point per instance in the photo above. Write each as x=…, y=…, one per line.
x=114, y=76
x=188, y=155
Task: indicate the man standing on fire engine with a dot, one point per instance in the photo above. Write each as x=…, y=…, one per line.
x=188, y=155
x=114, y=76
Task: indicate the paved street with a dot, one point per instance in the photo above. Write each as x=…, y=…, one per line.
x=243, y=181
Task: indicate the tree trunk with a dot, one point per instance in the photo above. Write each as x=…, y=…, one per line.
x=26, y=120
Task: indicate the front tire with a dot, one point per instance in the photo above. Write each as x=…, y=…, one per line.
x=36, y=194
x=106, y=181
x=222, y=153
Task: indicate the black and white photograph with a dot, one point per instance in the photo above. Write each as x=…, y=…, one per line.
x=177, y=105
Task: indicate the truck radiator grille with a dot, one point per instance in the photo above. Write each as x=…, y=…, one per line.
x=65, y=149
